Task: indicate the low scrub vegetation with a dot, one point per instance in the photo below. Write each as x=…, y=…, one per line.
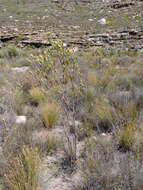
x=96, y=104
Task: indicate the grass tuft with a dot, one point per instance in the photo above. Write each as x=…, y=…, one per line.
x=36, y=95
x=50, y=114
x=126, y=137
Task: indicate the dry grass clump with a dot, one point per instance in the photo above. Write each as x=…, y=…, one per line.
x=103, y=109
x=36, y=96
x=22, y=171
x=106, y=75
x=50, y=114
x=126, y=137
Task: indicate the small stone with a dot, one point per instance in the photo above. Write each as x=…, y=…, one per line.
x=103, y=134
x=20, y=69
x=64, y=45
x=73, y=50
x=75, y=123
x=90, y=19
x=102, y=21
x=21, y=119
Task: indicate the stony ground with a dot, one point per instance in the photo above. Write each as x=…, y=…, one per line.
x=80, y=23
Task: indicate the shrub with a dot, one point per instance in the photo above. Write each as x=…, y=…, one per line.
x=49, y=145
x=97, y=167
x=98, y=111
x=23, y=171
x=21, y=97
x=18, y=101
x=36, y=95
x=50, y=114
x=45, y=141
x=12, y=51
x=126, y=137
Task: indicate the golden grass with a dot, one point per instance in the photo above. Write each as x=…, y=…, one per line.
x=126, y=137
x=50, y=114
x=36, y=95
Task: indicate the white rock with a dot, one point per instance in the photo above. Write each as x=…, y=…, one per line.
x=78, y=123
x=75, y=123
x=20, y=69
x=106, y=1
x=91, y=20
x=21, y=119
x=103, y=134
x=64, y=45
x=102, y=21
x=73, y=50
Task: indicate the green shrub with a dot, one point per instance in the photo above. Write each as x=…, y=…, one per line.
x=12, y=51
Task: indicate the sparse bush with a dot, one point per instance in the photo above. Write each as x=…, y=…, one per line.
x=22, y=171
x=50, y=114
x=21, y=61
x=20, y=99
x=106, y=168
x=69, y=161
x=12, y=51
x=17, y=138
x=97, y=166
x=36, y=96
x=45, y=141
x=9, y=51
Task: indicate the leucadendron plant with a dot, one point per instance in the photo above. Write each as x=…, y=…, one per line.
x=57, y=67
